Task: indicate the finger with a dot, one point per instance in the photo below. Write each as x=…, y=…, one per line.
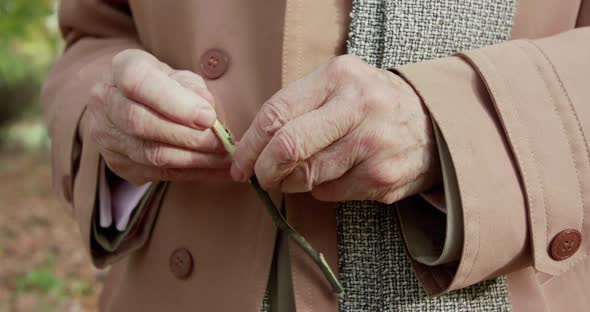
x=164, y=156
x=123, y=167
x=152, y=174
x=193, y=82
x=156, y=154
x=301, y=138
x=327, y=165
x=346, y=189
x=148, y=84
x=295, y=100
x=140, y=121
x=360, y=184
x=139, y=174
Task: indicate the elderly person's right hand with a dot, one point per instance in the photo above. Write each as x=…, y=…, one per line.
x=152, y=123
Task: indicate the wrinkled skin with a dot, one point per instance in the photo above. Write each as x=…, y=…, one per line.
x=152, y=123
x=347, y=131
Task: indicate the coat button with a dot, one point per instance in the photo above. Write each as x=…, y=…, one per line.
x=565, y=244
x=66, y=185
x=214, y=63
x=181, y=263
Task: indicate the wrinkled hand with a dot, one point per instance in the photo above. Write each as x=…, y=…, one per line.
x=151, y=123
x=347, y=131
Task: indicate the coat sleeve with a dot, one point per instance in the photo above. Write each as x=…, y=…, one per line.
x=516, y=122
x=94, y=31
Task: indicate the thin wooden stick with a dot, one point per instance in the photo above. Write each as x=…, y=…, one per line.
x=279, y=220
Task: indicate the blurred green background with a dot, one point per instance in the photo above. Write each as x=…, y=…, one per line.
x=29, y=43
x=43, y=266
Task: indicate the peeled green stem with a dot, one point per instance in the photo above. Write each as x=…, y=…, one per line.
x=225, y=136
x=279, y=220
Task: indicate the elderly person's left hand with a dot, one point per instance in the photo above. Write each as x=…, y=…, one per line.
x=347, y=131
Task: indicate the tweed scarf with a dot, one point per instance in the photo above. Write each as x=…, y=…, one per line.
x=374, y=269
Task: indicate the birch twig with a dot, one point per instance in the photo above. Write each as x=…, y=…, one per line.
x=279, y=220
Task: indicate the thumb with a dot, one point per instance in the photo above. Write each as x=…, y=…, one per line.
x=193, y=82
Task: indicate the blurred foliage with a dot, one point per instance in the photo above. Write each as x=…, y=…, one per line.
x=25, y=135
x=29, y=41
x=29, y=37
x=44, y=280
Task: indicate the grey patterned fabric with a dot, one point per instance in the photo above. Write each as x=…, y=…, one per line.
x=374, y=269
x=388, y=33
x=377, y=275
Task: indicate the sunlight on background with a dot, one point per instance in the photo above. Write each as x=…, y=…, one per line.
x=43, y=266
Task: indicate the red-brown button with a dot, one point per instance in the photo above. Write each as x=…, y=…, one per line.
x=214, y=63
x=181, y=263
x=565, y=244
x=66, y=185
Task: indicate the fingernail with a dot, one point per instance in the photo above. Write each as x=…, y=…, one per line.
x=206, y=118
x=236, y=173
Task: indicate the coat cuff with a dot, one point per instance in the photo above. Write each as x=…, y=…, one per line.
x=107, y=229
x=64, y=96
x=481, y=161
x=433, y=235
x=76, y=161
x=108, y=245
x=118, y=199
x=546, y=122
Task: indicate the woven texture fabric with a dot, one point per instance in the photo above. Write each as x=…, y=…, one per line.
x=374, y=269
x=377, y=275
x=388, y=33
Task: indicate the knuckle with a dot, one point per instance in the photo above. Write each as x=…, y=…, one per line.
x=343, y=66
x=307, y=175
x=124, y=56
x=131, y=76
x=155, y=155
x=289, y=150
x=272, y=117
x=134, y=121
x=97, y=94
x=374, y=96
x=382, y=177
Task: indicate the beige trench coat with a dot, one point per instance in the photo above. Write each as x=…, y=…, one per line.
x=525, y=104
